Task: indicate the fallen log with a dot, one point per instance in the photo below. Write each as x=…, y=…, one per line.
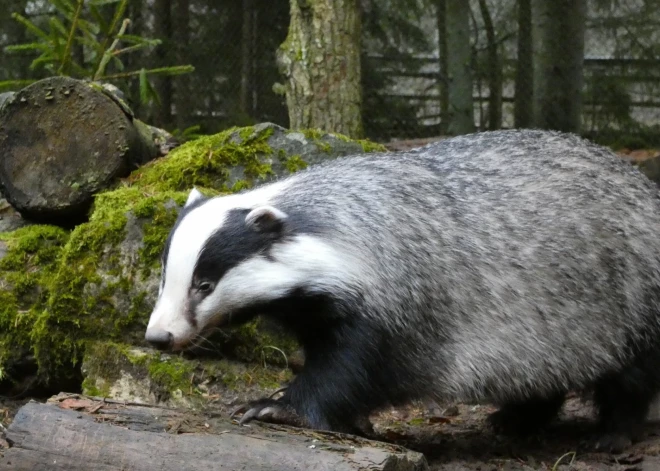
x=76, y=433
x=62, y=140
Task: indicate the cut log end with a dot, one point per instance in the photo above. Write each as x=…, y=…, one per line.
x=62, y=141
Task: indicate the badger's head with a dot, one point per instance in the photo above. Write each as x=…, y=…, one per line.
x=226, y=255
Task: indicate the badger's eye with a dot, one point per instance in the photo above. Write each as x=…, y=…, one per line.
x=205, y=287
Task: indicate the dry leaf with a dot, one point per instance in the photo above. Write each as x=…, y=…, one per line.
x=76, y=404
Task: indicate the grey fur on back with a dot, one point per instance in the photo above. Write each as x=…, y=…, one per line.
x=507, y=263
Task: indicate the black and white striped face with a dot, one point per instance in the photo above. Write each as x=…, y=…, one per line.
x=227, y=254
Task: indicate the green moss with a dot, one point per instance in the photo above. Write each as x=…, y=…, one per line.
x=172, y=374
x=207, y=161
x=316, y=136
x=106, y=362
x=417, y=421
x=292, y=163
x=369, y=146
x=91, y=275
x=93, y=272
x=90, y=388
x=312, y=134
x=26, y=271
x=236, y=378
x=319, y=138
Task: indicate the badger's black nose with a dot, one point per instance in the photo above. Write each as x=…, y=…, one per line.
x=161, y=339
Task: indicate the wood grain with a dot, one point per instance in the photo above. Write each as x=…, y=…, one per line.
x=75, y=433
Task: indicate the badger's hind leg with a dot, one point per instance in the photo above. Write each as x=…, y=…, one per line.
x=526, y=416
x=623, y=400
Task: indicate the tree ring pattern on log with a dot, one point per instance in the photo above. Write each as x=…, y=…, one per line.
x=62, y=141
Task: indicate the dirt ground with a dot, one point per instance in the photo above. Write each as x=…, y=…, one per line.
x=457, y=439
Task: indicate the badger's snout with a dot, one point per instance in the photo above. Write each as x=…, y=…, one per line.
x=159, y=338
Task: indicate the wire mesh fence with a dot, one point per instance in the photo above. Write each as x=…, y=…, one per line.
x=403, y=77
x=232, y=45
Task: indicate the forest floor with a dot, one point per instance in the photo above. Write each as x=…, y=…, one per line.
x=457, y=439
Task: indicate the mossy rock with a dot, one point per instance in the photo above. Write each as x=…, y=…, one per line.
x=125, y=372
x=102, y=282
x=28, y=261
x=244, y=157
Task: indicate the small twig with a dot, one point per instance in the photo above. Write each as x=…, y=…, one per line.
x=96, y=408
x=107, y=55
x=176, y=70
x=121, y=403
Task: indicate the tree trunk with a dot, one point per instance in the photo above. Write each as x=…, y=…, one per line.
x=524, y=98
x=247, y=57
x=441, y=12
x=320, y=60
x=461, y=109
x=181, y=36
x=558, y=40
x=494, y=71
x=163, y=84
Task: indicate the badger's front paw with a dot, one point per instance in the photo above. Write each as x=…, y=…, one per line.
x=270, y=410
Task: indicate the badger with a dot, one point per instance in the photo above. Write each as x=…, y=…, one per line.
x=508, y=267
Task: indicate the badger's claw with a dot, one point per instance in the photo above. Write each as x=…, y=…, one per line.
x=240, y=408
x=270, y=410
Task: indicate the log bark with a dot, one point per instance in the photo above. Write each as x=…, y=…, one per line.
x=73, y=433
x=320, y=61
x=62, y=141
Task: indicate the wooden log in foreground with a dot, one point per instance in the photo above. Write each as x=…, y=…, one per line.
x=63, y=140
x=74, y=433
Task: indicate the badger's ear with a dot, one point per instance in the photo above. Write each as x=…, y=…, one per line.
x=194, y=195
x=265, y=219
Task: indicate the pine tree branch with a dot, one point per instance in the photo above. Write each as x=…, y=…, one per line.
x=174, y=70
x=107, y=55
x=119, y=12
